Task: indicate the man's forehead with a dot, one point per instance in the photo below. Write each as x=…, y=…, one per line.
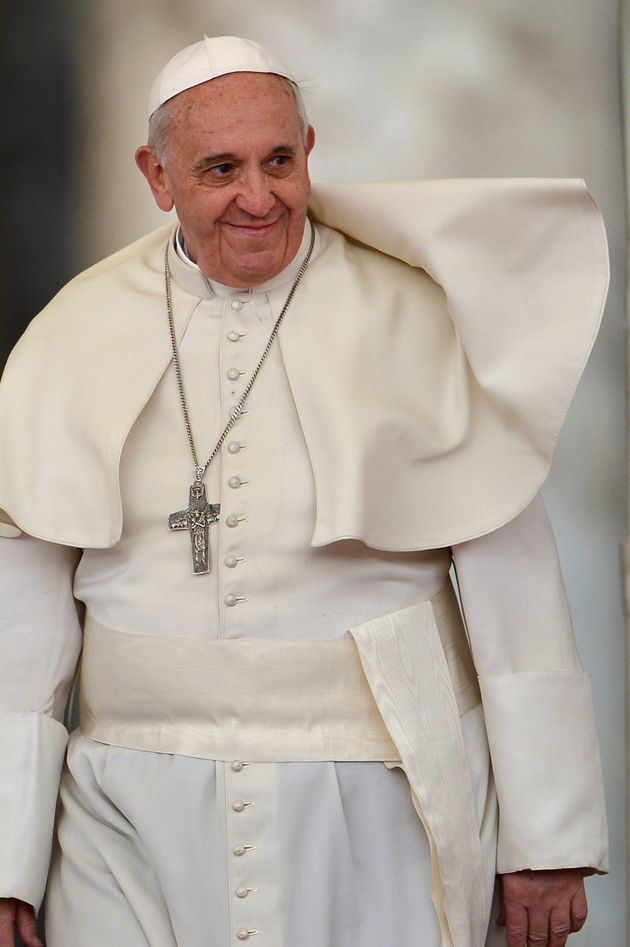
x=235, y=89
x=221, y=111
x=210, y=59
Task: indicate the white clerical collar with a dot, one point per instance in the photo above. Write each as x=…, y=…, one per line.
x=190, y=277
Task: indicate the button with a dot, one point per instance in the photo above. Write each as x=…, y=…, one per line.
x=234, y=447
x=231, y=599
x=233, y=374
x=238, y=805
x=233, y=336
x=242, y=849
x=237, y=304
x=231, y=562
x=236, y=766
x=234, y=482
x=232, y=520
x=241, y=892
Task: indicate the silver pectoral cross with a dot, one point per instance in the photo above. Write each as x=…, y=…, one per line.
x=196, y=519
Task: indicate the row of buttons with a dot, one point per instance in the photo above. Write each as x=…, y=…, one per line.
x=235, y=482
x=243, y=872
x=242, y=892
x=234, y=374
x=232, y=521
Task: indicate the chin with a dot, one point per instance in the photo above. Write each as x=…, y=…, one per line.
x=260, y=270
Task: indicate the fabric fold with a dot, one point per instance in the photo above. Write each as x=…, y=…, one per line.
x=8, y=529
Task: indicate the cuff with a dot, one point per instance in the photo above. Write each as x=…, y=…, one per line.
x=547, y=770
x=32, y=749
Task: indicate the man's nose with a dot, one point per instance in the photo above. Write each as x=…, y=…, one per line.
x=255, y=195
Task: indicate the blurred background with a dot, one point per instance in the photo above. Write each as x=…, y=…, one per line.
x=395, y=89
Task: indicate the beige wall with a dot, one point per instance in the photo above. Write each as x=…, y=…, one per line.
x=412, y=88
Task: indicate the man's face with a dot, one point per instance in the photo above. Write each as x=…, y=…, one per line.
x=236, y=172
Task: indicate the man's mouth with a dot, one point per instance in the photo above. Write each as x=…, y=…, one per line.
x=254, y=230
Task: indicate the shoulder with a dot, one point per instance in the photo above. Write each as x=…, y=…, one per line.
x=143, y=252
x=347, y=258
x=371, y=287
x=99, y=291
x=82, y=322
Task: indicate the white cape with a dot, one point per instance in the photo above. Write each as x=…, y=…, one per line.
x=479, y=358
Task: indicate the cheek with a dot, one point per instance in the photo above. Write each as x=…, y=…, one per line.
x=216, y=205
x=205, y=210
x=295, y=196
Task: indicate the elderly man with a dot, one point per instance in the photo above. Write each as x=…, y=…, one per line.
x=251, y=446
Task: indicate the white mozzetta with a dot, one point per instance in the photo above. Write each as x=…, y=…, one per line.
x=430, y=404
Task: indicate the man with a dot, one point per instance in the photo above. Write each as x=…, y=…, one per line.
x=272, y=435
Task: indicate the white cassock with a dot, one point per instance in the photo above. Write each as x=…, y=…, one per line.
x=167, y=849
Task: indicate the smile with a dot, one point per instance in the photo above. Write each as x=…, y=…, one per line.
x=256, y=231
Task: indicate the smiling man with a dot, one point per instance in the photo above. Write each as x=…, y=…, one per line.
x=267, y=438
x=234, y=164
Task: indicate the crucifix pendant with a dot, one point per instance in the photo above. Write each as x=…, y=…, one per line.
x=196, y=519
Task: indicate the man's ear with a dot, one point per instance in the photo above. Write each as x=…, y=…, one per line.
x=308, y=147
x=155, y=173
x=310, y=139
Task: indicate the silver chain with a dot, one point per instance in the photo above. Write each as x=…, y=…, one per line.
x=236, y=411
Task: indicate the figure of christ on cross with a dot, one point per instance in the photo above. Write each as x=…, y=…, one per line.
x=196, y=519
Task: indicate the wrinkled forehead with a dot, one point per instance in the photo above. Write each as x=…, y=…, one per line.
x=254, y=108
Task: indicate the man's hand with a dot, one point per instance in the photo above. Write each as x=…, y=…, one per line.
x=541, y=908
x=17, y=916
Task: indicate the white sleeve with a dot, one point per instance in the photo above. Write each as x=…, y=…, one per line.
x=536, y=697
x=40, y=642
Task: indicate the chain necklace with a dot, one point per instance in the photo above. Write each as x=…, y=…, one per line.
x=199, y=514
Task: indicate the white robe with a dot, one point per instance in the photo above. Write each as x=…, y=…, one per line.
x=339, y=856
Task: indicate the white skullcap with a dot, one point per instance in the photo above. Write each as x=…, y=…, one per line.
x=212, y=57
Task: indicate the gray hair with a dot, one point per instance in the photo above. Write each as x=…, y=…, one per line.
x=159, y=122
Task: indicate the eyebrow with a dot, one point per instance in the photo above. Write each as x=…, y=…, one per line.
x=214, y=159
x=228, y=156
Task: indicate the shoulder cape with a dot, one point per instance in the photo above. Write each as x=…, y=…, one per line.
x=432, y=352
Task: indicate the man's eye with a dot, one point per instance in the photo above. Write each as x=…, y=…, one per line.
x=220, y=170
x=280, y=161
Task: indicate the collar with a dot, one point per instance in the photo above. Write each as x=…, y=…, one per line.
x=188, y=275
